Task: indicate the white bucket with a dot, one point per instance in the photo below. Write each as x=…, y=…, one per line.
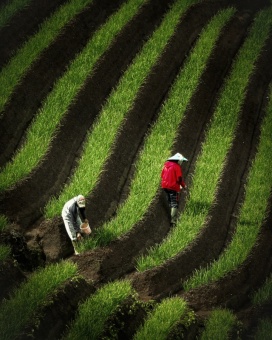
x=85, y=228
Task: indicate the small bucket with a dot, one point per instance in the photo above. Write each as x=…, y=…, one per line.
x=85, y=228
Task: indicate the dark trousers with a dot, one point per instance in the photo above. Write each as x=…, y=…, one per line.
x=172, y=197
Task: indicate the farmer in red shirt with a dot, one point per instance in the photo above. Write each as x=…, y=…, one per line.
x=172, y=182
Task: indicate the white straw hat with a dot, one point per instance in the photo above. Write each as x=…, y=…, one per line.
x=177, y=157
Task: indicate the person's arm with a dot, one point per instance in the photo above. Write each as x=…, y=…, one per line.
x=83, y=214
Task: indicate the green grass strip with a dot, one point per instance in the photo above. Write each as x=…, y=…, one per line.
x=17, y=67
x=96, y=310
x=11, y=8
x=3, y=222
x=18, y=311
x=145, y=184
x=5, y=252
x=264, y=330
x=214, y=150
x=57, y=103
x=219, y=325
x=162, y=320
x=252, y=214
x=264, y=294
x=101, y=138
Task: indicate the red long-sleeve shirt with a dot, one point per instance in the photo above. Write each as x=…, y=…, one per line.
x=172, y=176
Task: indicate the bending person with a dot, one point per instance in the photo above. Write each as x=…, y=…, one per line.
x=71, y=217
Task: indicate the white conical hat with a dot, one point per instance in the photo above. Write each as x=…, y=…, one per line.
x=177, y=157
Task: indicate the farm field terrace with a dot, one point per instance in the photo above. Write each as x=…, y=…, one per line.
x=95, y=96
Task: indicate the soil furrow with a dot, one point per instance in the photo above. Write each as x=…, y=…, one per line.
x=52, y=173
x=39, y=80
x=212, y=239
x=23, y=24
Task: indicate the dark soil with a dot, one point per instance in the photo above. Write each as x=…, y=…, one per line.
x=36, y=242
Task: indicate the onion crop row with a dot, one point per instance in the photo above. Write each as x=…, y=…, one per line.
x=101, y=137
x=17, y=311
x=11, y=8
x=145, y=184
x=163, y=318
x=94, y=312
x=219, y=325
x=252, y=213
x=217, y=143
x=43, y=127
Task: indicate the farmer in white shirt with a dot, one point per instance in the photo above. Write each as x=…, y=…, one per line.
x=71, y=217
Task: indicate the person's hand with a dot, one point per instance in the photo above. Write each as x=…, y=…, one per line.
x=79, y=236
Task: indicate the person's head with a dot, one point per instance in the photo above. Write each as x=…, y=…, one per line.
x=81, y=201
x=179, y=158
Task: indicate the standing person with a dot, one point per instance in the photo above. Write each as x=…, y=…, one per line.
x=71, y=217
x=172, y=182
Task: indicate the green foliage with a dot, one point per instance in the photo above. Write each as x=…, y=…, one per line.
x=95, y=311
x=104, y=131
x=5, y=251
x=264, y=330
x=3, y=222
x=214, y=149
x=25, y=301
x=164, y=317
x=219, y=325
x=264, y=294
x=11, y=8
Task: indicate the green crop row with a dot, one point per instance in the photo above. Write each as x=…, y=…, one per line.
x=101, y=137
x=163, y=318
x=43, y=127
x=11, y=8
x=252, y=213
x=264, y=294
x=17, y=67
x=219, y=325
x=214, y=149
x=145, y=183
x=94, y=312
x=17, y=311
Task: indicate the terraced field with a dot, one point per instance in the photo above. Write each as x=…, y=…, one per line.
x=95, y=96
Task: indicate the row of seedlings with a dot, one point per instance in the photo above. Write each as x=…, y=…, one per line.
x=23, y=304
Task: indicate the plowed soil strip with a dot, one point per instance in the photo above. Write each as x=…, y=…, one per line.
x=44, y=72
x=47, y=181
